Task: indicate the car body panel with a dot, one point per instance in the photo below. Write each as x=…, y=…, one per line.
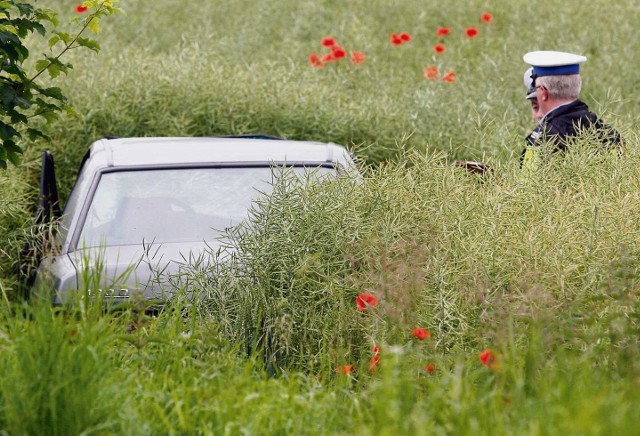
x=132, y=269
x=124, y=273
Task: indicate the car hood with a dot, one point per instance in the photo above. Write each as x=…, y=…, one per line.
x=130, y=272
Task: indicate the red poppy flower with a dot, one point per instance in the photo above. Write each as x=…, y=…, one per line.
x=329, y=42
x=449, y=76
x=374, y=363
x=421, y=333
x=439, y=48
x=487, y=358
x=430, y=368
x=471, y=32
x=345, y=369
x=486, y=17
x=338, y=52
x=80, y=9
x=431, y=72
x=357, y=57
x=376, y=350
x=405, y=37
x=395, y=39
x=315, y=61
x=364, y=301
x=329, y=57
x=442, y=32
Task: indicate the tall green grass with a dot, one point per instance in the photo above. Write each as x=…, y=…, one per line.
x=440, y=248
x=208, y=68
x=541, y=269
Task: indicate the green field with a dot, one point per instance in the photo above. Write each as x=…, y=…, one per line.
x=542, y=269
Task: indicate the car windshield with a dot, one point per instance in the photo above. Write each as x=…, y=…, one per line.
x=177, y=205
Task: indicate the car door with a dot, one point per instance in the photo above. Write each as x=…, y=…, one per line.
x=40, y=237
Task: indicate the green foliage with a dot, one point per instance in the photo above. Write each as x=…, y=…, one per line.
x=542, y=269
x=82, y=371
x=440, y=250
x=23, y=98
x=216, y=73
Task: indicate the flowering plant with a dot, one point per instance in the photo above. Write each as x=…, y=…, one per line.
x=24, y=98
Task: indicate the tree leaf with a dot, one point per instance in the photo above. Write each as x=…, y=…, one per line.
x=8, y=29
x=14, y=158
x=53, y=92
x=11, y=147
x=7, y=132
x=42, y=64
x=53, y=40
x=23, y=102
x=34, y=134
x=49, y=115
x=39, y=28
x=7, y=96
x=24, y=8
x=56, y=67
x=94, y=25
x=64, y=37
x=17, y=118
x=11, y=152
x=47, y=15
x=89, y=43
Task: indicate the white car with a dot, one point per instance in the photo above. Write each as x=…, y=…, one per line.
x=146, y=205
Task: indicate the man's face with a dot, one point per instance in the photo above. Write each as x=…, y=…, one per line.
x=536, y=113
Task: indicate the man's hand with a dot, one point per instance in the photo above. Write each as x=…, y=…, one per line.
x=473, y=167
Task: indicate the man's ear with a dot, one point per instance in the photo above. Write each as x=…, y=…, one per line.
x=543, y=93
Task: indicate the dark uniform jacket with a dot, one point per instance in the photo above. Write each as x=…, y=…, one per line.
x=570, y=120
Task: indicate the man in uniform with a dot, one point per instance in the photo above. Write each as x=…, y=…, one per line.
x=556, y=79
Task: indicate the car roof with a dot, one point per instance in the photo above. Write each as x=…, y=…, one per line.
x=195, y=150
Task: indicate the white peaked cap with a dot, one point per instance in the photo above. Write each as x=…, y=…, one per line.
x=553, y=63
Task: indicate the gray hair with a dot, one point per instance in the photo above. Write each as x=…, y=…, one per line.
x=561, y=87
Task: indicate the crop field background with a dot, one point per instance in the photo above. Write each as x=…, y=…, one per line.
x=527, y=284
